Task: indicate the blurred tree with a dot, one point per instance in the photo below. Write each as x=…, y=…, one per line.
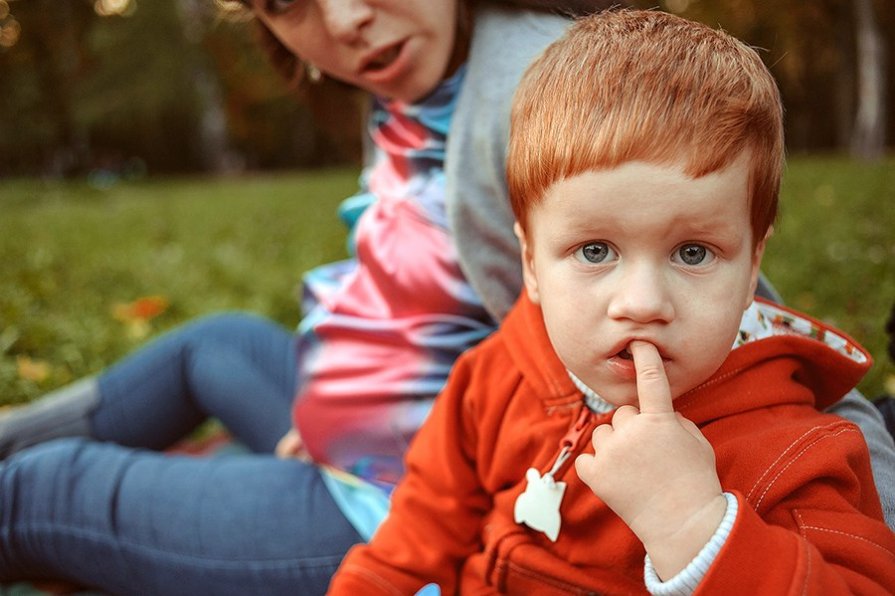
x=195, y=18
x=41, y=71
x=868, y=137
x=104, y=84
x=813, y=49
x=275, y=123
x=885, y=11
x=139, y=100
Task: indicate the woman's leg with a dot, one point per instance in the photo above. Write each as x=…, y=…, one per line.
x=239, y=368
x=236, y=367
x=126, y=521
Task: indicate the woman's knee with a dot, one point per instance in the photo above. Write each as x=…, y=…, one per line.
x=234, y=328
x=224, y=325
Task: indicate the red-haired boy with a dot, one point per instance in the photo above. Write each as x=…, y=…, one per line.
x=640, y=422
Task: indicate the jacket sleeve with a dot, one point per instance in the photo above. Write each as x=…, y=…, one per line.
x=809, y=525
x=434, y=521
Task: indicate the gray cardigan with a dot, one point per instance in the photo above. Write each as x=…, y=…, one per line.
x=504, y=42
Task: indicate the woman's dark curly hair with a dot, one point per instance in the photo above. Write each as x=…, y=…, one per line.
x=284, y=62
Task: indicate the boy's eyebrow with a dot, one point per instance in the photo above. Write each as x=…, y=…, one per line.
x=719, y=225
x=711, y=229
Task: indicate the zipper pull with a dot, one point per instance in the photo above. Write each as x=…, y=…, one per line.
x=573, y=436
x=568, y=444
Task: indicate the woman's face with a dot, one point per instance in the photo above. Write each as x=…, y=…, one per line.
x=398, y=49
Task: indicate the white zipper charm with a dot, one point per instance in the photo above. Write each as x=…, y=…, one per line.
x=538, y=506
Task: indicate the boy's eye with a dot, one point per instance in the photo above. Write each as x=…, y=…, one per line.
x=595, y=252
x=693, y=254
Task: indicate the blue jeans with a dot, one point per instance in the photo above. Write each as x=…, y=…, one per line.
x=113, y=515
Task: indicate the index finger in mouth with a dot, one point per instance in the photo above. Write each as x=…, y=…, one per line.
x=653, y=391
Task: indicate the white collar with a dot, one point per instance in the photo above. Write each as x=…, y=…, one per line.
x=594, y=402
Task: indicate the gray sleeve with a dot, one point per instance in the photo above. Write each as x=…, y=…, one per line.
x=569, y=7
x=859, y=410
x=504, y=41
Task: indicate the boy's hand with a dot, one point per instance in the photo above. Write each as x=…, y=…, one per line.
x=656, y=471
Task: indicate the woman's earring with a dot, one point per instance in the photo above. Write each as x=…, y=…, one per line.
x=314, y=74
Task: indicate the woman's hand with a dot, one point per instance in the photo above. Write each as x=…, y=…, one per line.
x=291, y=446
x=656, y=471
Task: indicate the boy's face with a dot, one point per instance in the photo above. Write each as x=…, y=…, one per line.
x=642, y=251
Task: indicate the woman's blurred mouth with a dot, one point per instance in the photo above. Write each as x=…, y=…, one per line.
x=385, y=64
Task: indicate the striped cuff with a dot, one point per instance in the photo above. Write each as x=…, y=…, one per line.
x=689, y=578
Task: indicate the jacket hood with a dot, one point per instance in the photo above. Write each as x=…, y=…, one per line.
x=795, y=360
x=530, y=348
x=781, y=356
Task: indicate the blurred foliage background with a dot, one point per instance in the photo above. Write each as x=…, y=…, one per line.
x=154, y=168
x=170, y=86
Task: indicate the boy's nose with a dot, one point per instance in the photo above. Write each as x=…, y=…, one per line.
x=641, y=295
x=345, y=19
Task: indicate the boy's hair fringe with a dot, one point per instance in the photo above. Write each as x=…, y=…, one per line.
x=629, y=85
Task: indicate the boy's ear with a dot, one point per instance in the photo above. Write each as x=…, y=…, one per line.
x=756, y=265
x=529, y=279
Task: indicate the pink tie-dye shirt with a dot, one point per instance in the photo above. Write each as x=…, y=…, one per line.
x=382, y=329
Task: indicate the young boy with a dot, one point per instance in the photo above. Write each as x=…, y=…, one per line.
x=607, y=438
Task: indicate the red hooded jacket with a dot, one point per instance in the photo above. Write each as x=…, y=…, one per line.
x=809, y=518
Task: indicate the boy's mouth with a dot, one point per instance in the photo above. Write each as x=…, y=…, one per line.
x=625, y=353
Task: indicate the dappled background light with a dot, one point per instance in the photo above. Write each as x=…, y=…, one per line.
x=10, y=29
x=677, y=6
x=107, y=8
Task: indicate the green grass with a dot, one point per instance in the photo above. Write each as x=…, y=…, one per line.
x=833, y=252
x=70, y=253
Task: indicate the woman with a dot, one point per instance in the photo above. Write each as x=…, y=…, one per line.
x=379, y=335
